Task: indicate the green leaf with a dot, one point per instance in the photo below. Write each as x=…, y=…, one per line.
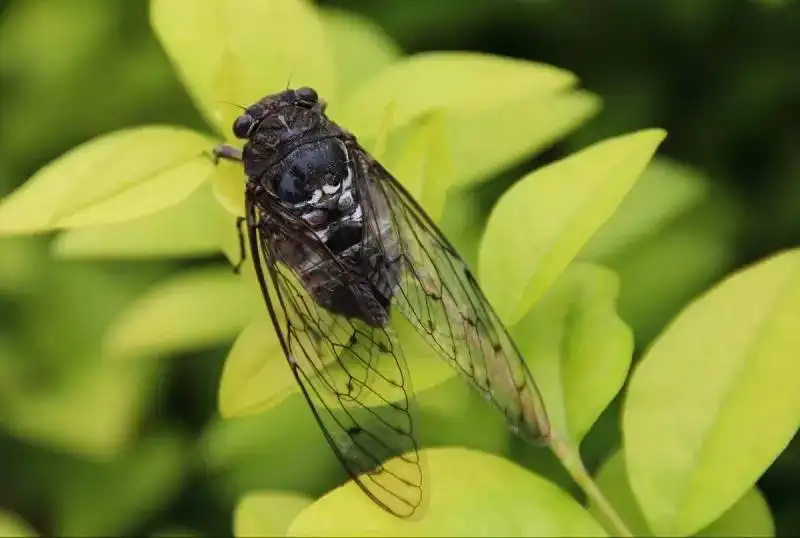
x=529, y=104
x=670, y=214
x=725, y=368
x=578, y=349
x=112, y=178
x=544, y=220
x=192, y=310
x=474, y=494
x=665, y=190
x=267, y=513
x=112, y=498
x=655, y=288
x=12, y=370
x=251, y=452
x=237, y=51
x=750, y=516
x=191, y=231
x=13, y=526
x=65, y=314
x=360, y=47
x=93, y=413
x=774, y=4
x=176, y=532
x=21, y=264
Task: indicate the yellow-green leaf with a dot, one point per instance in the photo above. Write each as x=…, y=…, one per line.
x=463, y=221
x=470, y=494
x=228, y=182
x=267, y=513
x=750, y=516
x=186, y=229
x=479, y=94
x=458, y=82
x=360, y=47
x=256, y=376
x=453, y=413
x=424, y=166
x=714, y=400
x=544, y=220
x=577, y=347
x=237, y=51
x=528, y=125
x=190, y=311
x=112, y=178
x=612, y=479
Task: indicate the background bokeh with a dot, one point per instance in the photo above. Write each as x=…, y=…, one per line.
x=88, y=447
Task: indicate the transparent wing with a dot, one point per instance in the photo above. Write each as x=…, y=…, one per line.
x=440, y=297
x=353, y=376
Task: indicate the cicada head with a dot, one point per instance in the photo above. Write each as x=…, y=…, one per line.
x=279, y=122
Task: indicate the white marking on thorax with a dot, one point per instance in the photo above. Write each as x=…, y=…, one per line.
x=356, y=215
x=348, y=180
x=345, y=202
x=315, y=197
x=330, y=189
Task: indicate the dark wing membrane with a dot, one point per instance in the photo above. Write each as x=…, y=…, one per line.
x=353, y=376
x=440, y=297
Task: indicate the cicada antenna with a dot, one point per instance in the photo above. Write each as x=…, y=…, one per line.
x=289, y=80
x=240, y=107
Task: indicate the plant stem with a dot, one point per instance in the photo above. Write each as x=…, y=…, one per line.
x=574, y=465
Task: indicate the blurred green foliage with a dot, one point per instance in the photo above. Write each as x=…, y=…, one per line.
x=92, y=446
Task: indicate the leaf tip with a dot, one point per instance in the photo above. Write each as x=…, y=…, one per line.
x=656, y=134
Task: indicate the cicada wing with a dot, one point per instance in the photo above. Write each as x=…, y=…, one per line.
x=441, y=298
x=353, y=375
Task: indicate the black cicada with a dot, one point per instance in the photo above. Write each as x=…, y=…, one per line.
x=344, y=249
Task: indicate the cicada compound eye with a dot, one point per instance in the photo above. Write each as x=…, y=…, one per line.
x=243, y=125
x=306, y=96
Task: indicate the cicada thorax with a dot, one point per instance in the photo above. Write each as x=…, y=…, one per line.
x=316, y=184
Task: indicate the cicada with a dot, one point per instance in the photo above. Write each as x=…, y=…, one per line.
x=340, y=250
